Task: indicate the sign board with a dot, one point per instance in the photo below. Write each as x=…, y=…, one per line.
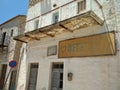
x=12, y=64
x=95, y=45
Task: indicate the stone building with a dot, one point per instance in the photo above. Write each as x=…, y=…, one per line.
x=10, y=50
x=71, y=45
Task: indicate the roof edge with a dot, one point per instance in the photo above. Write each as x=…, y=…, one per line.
x=12, y=19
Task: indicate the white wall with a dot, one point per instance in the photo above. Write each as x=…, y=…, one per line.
x=89, y=73
x=43, y=11
x=22, y=74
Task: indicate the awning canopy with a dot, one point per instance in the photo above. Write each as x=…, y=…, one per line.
x=75, y=23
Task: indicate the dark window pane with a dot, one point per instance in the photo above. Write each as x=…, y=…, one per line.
x=61, y=66
x=12, y=32
x=56, y=17
x=61, y=76
x=34, y=65
x=61, y=84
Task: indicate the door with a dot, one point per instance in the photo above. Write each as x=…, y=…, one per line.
x=3, y=74
x=57, y=77
x=12, y=80
x=33, y=77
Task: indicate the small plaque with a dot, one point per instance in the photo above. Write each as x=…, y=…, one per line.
x=52, y=50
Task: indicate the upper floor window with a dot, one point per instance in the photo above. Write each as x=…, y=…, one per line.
x=1, y=29
x=36, y=24
x=11, y=34
x=56, y=17
x=81, y=5
x=3, y=38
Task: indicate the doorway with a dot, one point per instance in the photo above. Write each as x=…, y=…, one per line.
x=57, y=76
x=13, y=80
x=3, y=74
x=33, y=76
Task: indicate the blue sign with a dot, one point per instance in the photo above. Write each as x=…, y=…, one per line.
x=12, y=64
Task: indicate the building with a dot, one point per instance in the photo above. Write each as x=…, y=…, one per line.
x=71, y=45
x=10, y=50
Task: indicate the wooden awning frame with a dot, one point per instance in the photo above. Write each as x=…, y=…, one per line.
x=60, y=27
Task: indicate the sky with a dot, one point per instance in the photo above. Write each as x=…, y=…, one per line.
x=12, y=8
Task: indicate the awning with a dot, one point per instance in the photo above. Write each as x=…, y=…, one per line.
x=69, y=25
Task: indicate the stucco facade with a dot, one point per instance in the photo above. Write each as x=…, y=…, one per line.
x=100, y=72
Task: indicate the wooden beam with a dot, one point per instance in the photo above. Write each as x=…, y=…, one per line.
x=20, y=40
x=65, y=28
x=46, y=33
x=32, y=37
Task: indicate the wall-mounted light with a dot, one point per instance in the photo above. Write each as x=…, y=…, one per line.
x=70, y=76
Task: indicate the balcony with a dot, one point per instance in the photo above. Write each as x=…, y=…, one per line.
x=73, y=16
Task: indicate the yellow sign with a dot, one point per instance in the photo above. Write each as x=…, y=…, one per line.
x=95, y=45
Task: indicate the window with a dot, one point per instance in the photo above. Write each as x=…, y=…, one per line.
x=33, y=76
x=36, y=25
x=11, y=34
x=3, y=38
x=56, y=17
x=1, y=29
x=57, y=76
x=81, y=5
x=13, y=80
x=3, y=74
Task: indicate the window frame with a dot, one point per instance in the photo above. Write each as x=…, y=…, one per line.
x=36, y=24
x=11, y=33
x=54, y=20
x=81, y=5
